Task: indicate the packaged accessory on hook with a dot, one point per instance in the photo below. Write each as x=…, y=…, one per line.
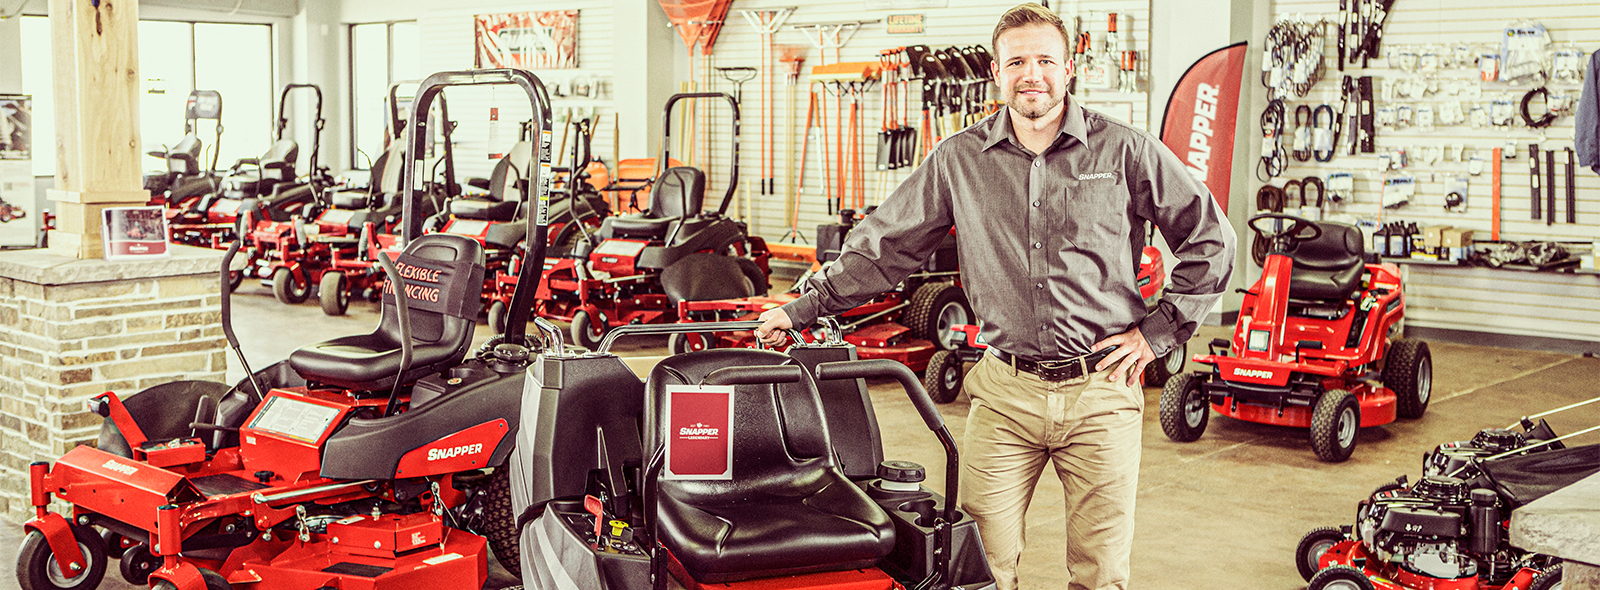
x=1567, y=64
x=1341, y=187
x=1523, y=48
x=1455, y=194
x=1398, y=190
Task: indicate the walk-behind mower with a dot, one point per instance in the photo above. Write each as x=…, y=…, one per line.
x=622, y=276
x=730, y=468
x=1312, y=334
x=1447, y=531
x=183, y=183
x=376, y=461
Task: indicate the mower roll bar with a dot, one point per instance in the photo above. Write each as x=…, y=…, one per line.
x=666, y=142
x=694, y=328
x=316, y=138
x=538, y=224
x=226, y=313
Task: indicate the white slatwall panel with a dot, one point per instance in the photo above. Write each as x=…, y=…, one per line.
x=447, y=36
x=962, y=23
x=1511, y=302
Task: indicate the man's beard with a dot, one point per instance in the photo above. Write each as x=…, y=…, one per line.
x=1033, y=110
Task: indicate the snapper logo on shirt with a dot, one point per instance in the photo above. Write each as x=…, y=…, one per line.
x=1098, y=176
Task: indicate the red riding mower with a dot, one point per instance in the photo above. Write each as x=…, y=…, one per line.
x=9, y=212
x=375, y=461
x=637, y=266
x=1311, y=334
x=1447, y=531
x=183, y=183
x=730, y=468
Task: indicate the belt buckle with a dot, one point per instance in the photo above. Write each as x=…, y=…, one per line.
x=1057, y=370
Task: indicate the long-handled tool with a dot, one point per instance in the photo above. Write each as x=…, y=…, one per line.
x=800, y=179
x=767, y=22
x=793, y=57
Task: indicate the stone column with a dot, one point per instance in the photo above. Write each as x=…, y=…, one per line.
x=71, y=329
x=1565, y=524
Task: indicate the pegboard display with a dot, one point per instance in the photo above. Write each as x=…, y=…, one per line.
x=1408, y=135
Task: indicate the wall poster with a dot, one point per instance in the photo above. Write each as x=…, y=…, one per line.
x=16, y=170
x=532, y=40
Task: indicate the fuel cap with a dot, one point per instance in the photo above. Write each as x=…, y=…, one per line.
x=901, y=472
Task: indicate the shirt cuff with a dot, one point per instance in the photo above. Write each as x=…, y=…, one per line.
x=1160, y=328
x=802, y=312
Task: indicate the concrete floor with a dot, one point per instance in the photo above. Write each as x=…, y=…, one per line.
x=1222, y=512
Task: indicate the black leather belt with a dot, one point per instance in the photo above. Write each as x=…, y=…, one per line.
x=1055, y=370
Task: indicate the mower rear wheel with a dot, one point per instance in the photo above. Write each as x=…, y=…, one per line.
x=681, y=343
x=1308, y=555
x=235, y=278
x=287, y=289
x=1185, y=409
x=587, y=331
x=934, y=309
x=500, y=521
x=114, y=543
x=1340, y=577
x=1334, y=422
x=497, y=316
x=759, y=283
x=333, y=292
x=137, y=565
x=1160, y=370
x=1550, y=579
x=1408, y=371
x=37, y=568
x=944, y=376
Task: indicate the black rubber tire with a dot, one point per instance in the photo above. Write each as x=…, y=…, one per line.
x=934, y=304
x=497, y=316
x=1335, y=425
x=1315, y=543
x=681, y=343
x=235, y=278
x=213, y=580
x=286, y=289
x=1185, y=409
x=1549, y=579
x=1408, y=371
x=37, y=569
x=113, y=541
x=944, y=376
x=586, y=332
x=137, y=565
x=1160, y=370
x=760, y=285
x=333, y=292
x=1340, y=577
x=500, y=521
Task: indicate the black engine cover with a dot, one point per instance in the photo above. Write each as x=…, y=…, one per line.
x=1421, y=522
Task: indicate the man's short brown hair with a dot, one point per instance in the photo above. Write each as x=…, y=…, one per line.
x=1027, y=14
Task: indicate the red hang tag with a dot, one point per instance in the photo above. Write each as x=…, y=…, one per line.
x=699, y=432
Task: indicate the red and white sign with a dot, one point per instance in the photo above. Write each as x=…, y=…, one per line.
x=699, y=432
x=1201, y=114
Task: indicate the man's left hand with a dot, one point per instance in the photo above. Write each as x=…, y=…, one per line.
x=1133, y=352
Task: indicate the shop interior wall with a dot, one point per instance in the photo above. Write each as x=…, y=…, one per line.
x=959, y=23
x=1562, y=307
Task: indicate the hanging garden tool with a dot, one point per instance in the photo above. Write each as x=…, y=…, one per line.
x=793, y=57
x=767, y=22
x=848, y=80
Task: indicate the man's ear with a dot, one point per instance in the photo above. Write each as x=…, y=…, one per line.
x=994, y=71
x=1072, y=67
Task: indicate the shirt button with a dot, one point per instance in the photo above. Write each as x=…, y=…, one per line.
x=1038, y=286
x=1036, y=203
x=1035, y=163
x=1038, y=245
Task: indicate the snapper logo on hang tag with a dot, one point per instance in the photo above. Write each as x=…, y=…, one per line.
x=699, y=432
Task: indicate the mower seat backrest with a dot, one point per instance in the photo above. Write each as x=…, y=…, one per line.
x=789, y=509
x=278, y=162
x=184, y=158
x=510, y=171
x=679, y=192
x=440, y=336
x=1329, y=267
x=705, y=276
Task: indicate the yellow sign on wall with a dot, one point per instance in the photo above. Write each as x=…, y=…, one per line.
x=905, y=24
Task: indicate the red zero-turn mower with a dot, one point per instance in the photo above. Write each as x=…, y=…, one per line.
x=377, y=461
x=1447, y=531
x=636, y=267
x=1312, y=333
x=730, y=469
x=9, y=212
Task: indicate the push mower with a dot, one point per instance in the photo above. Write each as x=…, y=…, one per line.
x=1447, y=531
x=635, y=268
x=183, y=182
x=730, y=468
x=376, y=461
x=1312, y=334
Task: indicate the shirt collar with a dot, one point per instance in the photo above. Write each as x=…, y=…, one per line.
x=1073, y=125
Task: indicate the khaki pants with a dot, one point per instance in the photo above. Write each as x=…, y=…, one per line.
x=1088, y=429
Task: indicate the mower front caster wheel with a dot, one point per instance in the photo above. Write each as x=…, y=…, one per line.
x=497, y=316
x=588, y=331
x=944, y=376
x=213, y=580
x=1334, y=422
x=681, y=343
x=287, y=289
x=1340, y=577
x=1308, y=555
x=37, y=568
x=137, y=565
x=1185, y=408
x=333, y=292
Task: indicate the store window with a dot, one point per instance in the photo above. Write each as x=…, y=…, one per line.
x=174, y=59
x=380, y=55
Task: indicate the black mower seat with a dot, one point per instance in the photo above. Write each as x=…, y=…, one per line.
x=184, y=158
x=439, y=339
x=351, y=199
x=680, y=191
x=788, y=509
x=1329, y=267
x=506, y=181
x=706, y=276
x=484, y=210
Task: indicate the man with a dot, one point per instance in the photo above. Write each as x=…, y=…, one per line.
x=1051, y=201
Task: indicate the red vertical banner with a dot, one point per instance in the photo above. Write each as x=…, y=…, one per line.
x=699, y=433
x=1201, y=115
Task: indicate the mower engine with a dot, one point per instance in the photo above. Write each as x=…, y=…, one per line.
x=1421, y=528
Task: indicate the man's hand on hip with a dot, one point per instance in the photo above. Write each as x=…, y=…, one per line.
x=1133, y=352
x=774, y=324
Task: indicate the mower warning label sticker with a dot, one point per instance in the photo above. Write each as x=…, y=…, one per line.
x=699, y=432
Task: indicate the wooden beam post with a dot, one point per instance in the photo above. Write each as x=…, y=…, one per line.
x=96, y=45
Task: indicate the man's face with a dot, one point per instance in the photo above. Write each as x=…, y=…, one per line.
x=1031, y=69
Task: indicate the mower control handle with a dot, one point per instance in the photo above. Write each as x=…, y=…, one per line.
x=686, y=328
x=755, y=375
